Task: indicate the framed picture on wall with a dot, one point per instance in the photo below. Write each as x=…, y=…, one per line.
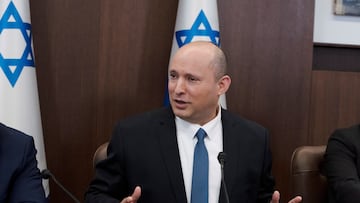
x=347, y=7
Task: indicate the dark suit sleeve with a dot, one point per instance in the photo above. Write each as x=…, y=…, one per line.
x=267, y=180
x=341, y=165
x=109, y=184
x=27, y=182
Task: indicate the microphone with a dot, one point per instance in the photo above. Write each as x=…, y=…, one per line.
x=46, y=174
x=221, y=157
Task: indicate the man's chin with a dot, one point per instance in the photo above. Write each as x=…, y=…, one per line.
x=183, y=114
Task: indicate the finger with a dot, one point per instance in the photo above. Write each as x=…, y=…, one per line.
x=127, y=200
x=296, y=199
x=137, y=193
x=134, y=196
x=275, y=197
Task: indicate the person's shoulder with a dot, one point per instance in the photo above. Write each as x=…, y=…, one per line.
x=164, y=113
x=15, y=143
x=237, y=120
x=10, y=135
x=352, y=132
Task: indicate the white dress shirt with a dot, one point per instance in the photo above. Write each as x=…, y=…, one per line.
x=214, y=144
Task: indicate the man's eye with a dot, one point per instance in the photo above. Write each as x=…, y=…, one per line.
x=172, y=76
x=192, y=79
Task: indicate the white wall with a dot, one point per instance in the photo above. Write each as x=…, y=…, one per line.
x=330, y=28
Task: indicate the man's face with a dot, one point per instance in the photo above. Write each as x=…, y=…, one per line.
x=193, y=88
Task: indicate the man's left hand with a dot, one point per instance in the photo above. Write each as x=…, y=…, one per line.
x=276, y=198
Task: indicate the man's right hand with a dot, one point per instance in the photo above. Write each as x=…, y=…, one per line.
x=134, y=197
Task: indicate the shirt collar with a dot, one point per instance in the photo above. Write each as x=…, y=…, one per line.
x=191, y=128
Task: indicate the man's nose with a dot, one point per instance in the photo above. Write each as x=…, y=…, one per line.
x=180, y=86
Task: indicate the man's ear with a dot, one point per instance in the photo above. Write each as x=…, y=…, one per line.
x=224, y=84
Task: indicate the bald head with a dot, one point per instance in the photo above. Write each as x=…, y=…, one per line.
x=212, y=53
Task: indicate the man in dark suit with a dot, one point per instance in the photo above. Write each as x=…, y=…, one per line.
x=152, y=157
x=342, y=165
x=20, y=179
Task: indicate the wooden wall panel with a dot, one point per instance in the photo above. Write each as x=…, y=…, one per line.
x=134, y=54
x=336, y=57
x=335, y=100
x=66, y=48
x=269, y=49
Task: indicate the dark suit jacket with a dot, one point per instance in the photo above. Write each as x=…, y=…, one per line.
x=20, y=179
x=143, y=151
x=342, y=165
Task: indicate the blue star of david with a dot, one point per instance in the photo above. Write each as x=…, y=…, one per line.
x=27, y=58
x=196, y=31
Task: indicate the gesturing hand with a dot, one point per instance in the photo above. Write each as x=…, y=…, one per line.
x=134, y=197
x=276, y=198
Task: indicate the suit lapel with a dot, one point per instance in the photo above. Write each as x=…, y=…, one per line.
x=170, y=152
x=230, y=148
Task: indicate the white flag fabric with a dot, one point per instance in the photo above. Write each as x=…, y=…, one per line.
x=19, y=100
x=197, y=21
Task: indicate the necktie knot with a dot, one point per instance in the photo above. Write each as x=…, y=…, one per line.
x=200, y=134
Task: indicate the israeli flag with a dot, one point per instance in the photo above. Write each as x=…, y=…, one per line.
x=196, y=21
x=19, y=100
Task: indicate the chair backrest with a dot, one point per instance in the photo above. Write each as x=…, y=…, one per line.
x=100, y=153
x=306, y=177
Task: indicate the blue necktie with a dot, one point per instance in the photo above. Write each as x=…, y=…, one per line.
x=200, y=179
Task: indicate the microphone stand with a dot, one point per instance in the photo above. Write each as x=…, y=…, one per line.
x=46, y=174
x=221, y=157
